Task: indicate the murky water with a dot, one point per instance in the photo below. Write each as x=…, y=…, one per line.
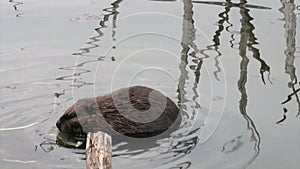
x=232, y=66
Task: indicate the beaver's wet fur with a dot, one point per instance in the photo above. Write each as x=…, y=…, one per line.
x=106, y=114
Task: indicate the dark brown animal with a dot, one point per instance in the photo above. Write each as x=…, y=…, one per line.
x=135, y=111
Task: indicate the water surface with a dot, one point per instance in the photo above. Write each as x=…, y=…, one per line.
x=231, y=66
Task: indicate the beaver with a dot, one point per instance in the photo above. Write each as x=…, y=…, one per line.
x=136, y=111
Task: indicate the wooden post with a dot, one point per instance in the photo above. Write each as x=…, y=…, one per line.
x=98, y=151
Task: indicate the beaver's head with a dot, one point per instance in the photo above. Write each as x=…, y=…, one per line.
x=69, y=123
x=78, y=115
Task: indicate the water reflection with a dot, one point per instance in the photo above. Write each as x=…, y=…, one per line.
x=189, y=48
x=16, y=5
x=288, y=10
x=224, y=18
x=228, y=3
x=247, y=39
x=92, y=43
x=247, y=42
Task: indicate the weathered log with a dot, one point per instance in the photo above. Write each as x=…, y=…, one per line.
x=98, y=151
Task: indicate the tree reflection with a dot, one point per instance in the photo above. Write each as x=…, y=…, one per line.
x=247, y=42
x=189, y=47
x=288, y=10
x=92, y=43
x=225, y=19
x=16, y=5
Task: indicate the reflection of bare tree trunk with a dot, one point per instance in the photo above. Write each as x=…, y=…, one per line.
x=93, y=43
x=185, y=146
x=188, y=30
x=115, y=13
x=187, y=43
x=264, y=67
x=252, y=39
x=290, y=34
x=224, y=18
x=245, y=35
x=247, y=41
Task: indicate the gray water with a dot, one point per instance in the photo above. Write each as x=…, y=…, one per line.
x=231, y=66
